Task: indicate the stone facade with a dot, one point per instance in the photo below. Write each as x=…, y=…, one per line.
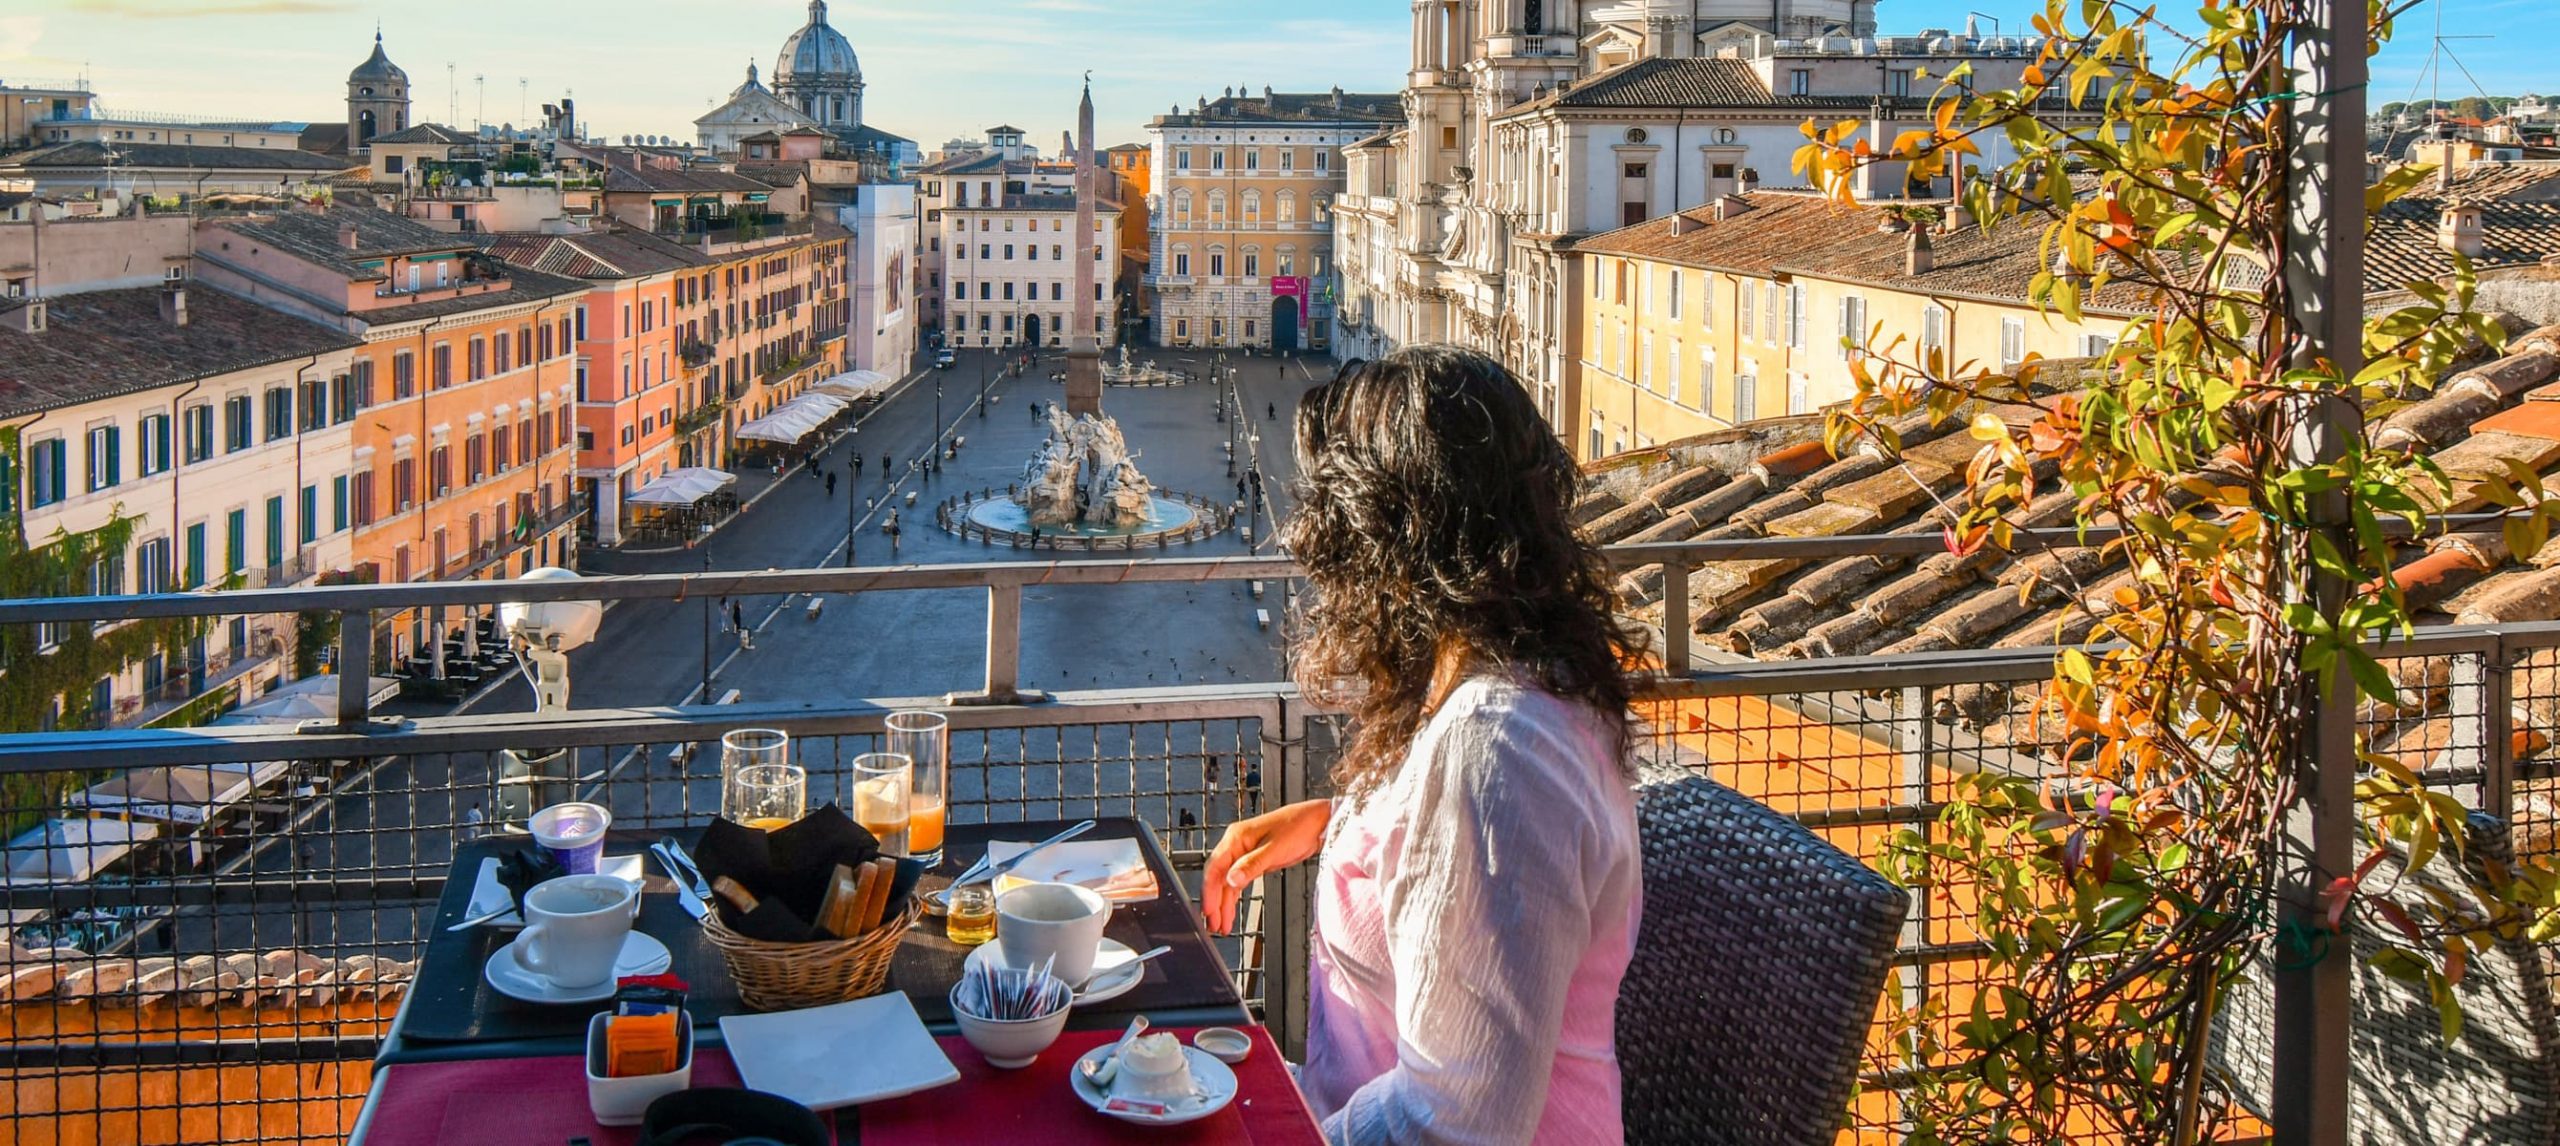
x=1530, y=125
x=1238, y=228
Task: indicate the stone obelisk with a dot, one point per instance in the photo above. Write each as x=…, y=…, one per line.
x=1084, y=351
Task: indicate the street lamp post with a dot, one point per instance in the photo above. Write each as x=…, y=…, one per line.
x=706, y=627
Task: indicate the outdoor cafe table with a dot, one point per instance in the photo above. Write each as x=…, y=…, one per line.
x=452, y=1013
x=451, y=1016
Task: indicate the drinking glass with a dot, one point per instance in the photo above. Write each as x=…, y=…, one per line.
x=751, y=746
x=880, y=783
x=766, y=797
x=925, y=738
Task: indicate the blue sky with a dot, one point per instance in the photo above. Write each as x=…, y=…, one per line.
x=949, y=68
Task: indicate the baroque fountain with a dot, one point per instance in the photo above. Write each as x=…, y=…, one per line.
x=1082, y=487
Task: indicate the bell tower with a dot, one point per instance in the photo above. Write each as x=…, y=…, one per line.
x=377, y=99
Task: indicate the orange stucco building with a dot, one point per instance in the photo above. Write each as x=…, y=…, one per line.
x=462, y=462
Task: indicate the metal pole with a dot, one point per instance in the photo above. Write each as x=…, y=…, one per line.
x=355, y=667
x=2324, y=279
x=706, y=629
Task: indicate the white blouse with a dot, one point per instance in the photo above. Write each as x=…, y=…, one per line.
x=1474, y=916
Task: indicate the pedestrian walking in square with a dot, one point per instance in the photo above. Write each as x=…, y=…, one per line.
x=831, y=483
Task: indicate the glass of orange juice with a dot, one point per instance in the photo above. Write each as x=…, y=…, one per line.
x=766, y=797
x=880, y=782
x=923, y=737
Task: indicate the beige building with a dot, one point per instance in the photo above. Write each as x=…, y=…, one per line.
x=191, y=413
x=1755, y=306
x=29, y=107
x=1239, y=215
x=92, y=252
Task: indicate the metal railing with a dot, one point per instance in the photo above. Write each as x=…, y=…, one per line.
x=349, y=854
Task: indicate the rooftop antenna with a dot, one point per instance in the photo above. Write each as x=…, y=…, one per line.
x=480, y=97
x=452, y=96
x=524, y=86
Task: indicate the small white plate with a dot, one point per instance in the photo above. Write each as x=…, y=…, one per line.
x=1217, y=1085
x=488, y=895
x=1112, y=974
x=839, y=1054
x=641, y=955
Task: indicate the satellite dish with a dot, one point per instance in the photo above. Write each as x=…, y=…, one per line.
x=555, y=625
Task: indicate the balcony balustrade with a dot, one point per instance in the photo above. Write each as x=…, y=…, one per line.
x=343, y=856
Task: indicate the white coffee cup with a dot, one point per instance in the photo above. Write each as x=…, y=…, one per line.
x=1039, y=920
x=574, y=928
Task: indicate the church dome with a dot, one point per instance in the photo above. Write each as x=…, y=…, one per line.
x=816, y=53
x=377, y=68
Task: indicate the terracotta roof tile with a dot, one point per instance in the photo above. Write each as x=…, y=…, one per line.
x=2532, y=419
x=104, y=343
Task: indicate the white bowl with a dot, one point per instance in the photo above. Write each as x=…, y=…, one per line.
x=621, y=1101
x=1009, y=1044
x=1227, y=1044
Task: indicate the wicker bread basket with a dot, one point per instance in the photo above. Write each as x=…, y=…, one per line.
x=788, y=976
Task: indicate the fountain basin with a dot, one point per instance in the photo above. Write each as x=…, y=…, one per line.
x=1164, y=515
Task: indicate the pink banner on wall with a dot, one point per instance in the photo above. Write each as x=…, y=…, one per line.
x=1292, y=286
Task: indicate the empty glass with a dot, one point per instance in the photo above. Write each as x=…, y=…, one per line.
x=748, y=746
x=881, y=781
x=924, y=738
x=766, y=797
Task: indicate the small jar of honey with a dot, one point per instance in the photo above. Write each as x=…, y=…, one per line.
x=970, y=915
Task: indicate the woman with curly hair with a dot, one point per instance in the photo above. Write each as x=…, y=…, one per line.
x=1479, y=876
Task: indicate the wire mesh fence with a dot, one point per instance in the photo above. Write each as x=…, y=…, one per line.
x=214, y=931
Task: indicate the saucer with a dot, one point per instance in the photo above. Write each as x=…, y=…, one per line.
x=1217, y=1084
x=488, y=895
x=1109, y=979
x=641, y=955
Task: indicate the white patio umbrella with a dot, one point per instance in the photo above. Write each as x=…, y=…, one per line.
x=67, y=851
x=311, y=698
x=854, y=384
x=189, y=794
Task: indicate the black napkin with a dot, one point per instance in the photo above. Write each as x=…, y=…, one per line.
x=519, y=870
x=902, y=886
x=786, y=870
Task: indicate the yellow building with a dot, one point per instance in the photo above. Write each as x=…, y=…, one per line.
x=1240, y=190
x=1743, y=309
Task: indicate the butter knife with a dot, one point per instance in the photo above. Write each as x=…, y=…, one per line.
x=686, y=897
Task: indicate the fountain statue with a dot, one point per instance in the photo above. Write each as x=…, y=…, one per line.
x=1084, y=473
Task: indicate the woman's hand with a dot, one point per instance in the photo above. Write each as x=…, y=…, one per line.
x=1256, y=847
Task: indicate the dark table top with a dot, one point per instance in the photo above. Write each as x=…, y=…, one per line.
x=451, y=1012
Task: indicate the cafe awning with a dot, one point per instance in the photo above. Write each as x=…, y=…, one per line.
x=796, y=419
x=188, y=794
x=311, y=698
x=67, y=851
x=681, y=487
x=854, y=384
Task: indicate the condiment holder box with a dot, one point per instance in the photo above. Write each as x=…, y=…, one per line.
x=621, y=1101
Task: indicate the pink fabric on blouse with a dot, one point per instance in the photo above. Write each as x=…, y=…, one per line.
x=1474, y=915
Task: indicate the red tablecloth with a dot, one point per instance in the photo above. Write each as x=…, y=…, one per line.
x=543, y=1102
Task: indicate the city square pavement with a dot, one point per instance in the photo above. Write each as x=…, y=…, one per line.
x=1191, y=777
x=921, y=643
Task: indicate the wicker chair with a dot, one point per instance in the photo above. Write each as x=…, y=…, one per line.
x=1758, y=967
x=2498, y=1084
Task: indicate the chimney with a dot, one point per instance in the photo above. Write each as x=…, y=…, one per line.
x=2458, y=229
x=1918, y=257
x=28, y=319
x=173, y=305
x=347, y=235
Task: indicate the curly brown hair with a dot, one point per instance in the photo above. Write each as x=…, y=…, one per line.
x=1433, y=513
